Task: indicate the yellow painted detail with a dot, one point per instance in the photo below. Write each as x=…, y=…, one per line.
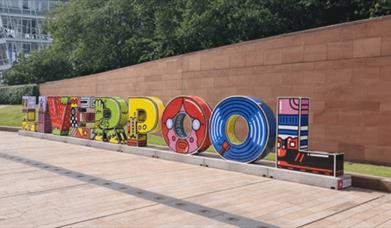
x=99, y=138
x=114, y=140
x=30, y=115
x=144, y=115
x=29, y=126
x=230, y=130
x=73, y=102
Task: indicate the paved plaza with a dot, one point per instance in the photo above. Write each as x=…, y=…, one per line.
x=52, y=184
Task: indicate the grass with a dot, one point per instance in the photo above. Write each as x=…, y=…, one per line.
x=12, y=116
x=366, y=169
x=156, y=140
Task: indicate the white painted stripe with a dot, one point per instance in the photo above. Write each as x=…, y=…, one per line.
x=318, y=155
x=296, y=128
x=285, y=136
x=288, y=127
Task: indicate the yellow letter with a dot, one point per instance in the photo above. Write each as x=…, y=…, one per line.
x=144, y=117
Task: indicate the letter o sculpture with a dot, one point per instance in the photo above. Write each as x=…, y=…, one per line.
x=173, y=130
x=261, y=129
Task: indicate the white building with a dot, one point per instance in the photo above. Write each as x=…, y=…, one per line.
x=21, y=31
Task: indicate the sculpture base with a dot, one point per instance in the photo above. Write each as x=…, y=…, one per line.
x=324, y=181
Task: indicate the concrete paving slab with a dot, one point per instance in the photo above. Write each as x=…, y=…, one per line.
x=78, y=186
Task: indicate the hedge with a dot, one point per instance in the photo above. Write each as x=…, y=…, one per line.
x=13, y=94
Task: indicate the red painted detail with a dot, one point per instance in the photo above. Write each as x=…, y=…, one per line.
x=302, y=157
x=197, y=109
x=281, y=149
x=297, y=156
x=59, y=113
x=340, y=184
x=285, y=164
x=292, y=143
x=182, y=146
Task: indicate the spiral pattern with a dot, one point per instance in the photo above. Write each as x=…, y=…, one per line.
x=261, y=129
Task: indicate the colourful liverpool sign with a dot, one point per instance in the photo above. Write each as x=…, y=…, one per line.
x=115, y=120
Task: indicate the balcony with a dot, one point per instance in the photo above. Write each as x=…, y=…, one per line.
x=10, y=35
x=19, y=12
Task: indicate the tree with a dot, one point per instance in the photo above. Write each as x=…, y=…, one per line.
x=97, y=35
x=42, y=66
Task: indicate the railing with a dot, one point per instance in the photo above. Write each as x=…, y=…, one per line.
x=28, y=12
x=24, y=36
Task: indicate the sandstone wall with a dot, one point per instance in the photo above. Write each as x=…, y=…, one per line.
x=344, y=69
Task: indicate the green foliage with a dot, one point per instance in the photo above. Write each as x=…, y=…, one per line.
x=13, y=94
x=91, y=36
x=45, y=65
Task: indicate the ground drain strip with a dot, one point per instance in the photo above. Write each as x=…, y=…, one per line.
x=184, y=205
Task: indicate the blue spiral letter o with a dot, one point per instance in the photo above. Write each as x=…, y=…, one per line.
x=261, y=129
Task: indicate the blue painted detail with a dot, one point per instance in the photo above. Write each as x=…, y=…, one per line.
x=292, y=132
x=288, y=132
x=261, y=128
x=292, y=120
x=288, y=120
x=303, y=133
x=304, y=120
x=303, y=142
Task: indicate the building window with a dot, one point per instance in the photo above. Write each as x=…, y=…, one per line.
x=25, y=4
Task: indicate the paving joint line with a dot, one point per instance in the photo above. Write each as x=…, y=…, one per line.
x=370, y=218
x=226, y=189
x=341, y=211
x=18, y=172
x=388, y=220
x=43, y=191
x=156, y=204
x=107, y=215
x=194, y=208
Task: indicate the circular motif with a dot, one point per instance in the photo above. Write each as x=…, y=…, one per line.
x=169, y=124
x=261, y=129
x=173, y=130
x=196, y=124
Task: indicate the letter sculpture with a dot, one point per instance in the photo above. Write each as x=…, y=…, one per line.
x=261, y=126
x=111, y=115
x=73, y=119
x=145, y=115
x=104, y=119
x=60, y=112
x=292, y=141
x=173, y=129
x=82, y=117
x=28, y=103
x=44, y=124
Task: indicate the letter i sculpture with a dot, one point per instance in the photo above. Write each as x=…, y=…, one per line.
x=44, y=125
x=292, y=141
